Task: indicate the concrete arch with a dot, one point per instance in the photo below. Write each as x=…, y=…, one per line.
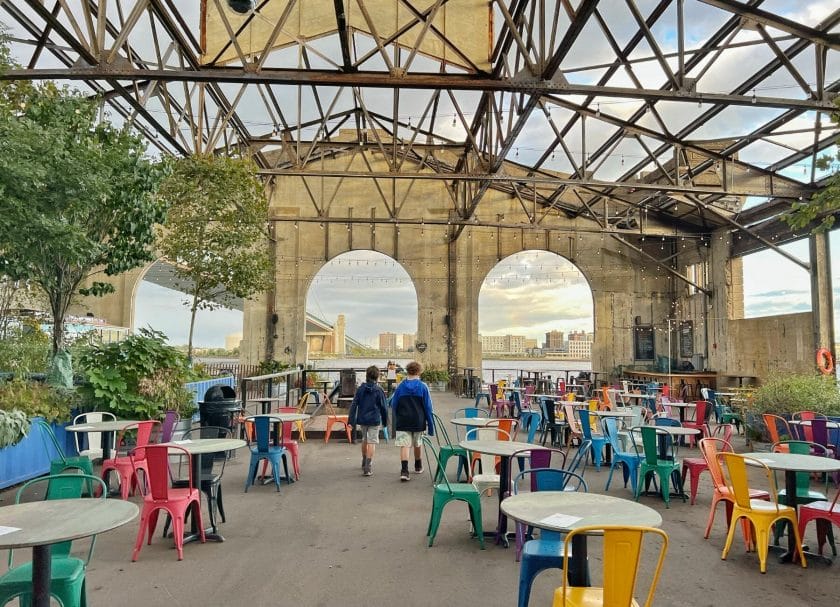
x=553, y=254
x=362, y=273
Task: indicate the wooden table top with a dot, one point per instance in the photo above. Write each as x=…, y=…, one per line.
x=564, y=511
x=51, y=521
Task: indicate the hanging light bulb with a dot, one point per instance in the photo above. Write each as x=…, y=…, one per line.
x=753, y=98
x=598, y=110
x=241, y=6
x=622, y=160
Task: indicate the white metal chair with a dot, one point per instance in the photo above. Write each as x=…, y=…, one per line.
x=94, y=439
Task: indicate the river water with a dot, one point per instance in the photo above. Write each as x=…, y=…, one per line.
x=491, y=369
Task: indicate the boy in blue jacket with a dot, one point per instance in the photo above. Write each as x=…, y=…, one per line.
x=368, y=411
x=412, y=414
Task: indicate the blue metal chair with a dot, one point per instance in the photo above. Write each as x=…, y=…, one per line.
x=597, y=441
x=547, y=551
x=629, y=462
x=530, y=421
x=578, y=463
x=263, y=449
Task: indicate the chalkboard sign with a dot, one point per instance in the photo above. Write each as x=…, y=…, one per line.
x=686, y=339
x=643, y=343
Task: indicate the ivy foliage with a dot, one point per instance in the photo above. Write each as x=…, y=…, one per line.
x=824, y=206
x=78, y=195
x=216, y=230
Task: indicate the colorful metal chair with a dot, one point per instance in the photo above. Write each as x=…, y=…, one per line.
x=133, y=436
x=335, y=418
x=447, y=450
x=500, y=406
x=629, y=462
x=90, y=443
x=547, y=551
x=59, y=462
x=67, y=573
x=487, y=479
x=666, y=468
x=622, y=555
x=167, y=428
x=825, y=513
x=262, y=448
x=693, y=467
x=804, y=493
x=159, y=495
x=445, y=492
x=778, y=428
x=701, y=413
x=597, y=441
x=760, y=513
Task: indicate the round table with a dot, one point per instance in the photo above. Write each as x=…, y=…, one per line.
x=471, y=422
x=792, y=463
x=41, y=524
x=265, y=402
x=504, y=449
x=106, y=429
x=564, y=511
x=610, y=413
x=197, y=447
x=682, y=407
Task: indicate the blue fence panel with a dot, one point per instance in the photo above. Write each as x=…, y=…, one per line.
x=30, y=457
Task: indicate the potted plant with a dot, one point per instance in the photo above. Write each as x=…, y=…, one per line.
x=437, y=379
x=14, y=426
x=784, y=395
x=140, y=377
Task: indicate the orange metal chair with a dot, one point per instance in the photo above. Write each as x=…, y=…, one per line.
x=695, y=466
x=334, y=418
x=774, y=424
x=122, y=463
x=622, y=555
x=762, y=514
x=161, y=496
x=711, y=448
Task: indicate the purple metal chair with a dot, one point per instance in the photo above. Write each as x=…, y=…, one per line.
x=167, y=429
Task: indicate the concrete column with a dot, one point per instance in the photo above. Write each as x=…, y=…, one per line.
x=822, y=297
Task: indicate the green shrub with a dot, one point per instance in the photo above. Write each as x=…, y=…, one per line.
x=26, y=349
x=434, y=375
x=785, y=394
x=137, y=378
x=14, y=425
x=38, y=400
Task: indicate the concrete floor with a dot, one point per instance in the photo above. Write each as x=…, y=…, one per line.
x=338, y=538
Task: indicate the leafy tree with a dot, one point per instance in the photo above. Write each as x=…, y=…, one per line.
x=825, y=203
x=215, y=233
x=78, y=196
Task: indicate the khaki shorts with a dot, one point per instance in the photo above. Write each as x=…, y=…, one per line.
x=370, y=434
x=408, y=439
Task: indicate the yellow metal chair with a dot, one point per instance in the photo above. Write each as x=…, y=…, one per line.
x=303, y=402
x=622, y=553
x=761, y=513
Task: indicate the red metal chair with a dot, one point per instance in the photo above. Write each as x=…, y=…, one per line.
x=160, y=495
x=825, y=513
x=701, y=407
x=290, y=444
x=122, y=462
x=501, y=406
x=805, y=433
x=695, y=466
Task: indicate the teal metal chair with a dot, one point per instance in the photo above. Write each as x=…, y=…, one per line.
x=445, y=492
x=447, y=450
x=629, y=462
x=59, y=462
x=67, y=573
x=804, y=493
x=665, y=466
x=263, y=449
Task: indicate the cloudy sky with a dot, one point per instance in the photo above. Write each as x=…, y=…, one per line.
x=526, y=294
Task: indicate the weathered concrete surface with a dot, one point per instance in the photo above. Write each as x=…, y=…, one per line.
x=337, y=538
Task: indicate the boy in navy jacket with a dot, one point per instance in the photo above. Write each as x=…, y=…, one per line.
x=368, y=411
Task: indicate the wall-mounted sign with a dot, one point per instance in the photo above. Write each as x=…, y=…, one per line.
x=643, y=343
x=686, y=330
x=420, y=346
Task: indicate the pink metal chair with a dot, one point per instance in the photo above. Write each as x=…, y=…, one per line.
x=501, y=406
x=825, y=513
x=122, y=462
x=160, y=495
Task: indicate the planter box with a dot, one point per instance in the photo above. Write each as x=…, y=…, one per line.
x=30, y=458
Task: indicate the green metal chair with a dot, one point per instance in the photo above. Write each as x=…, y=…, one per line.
x=447, y=450
x=804, y=493
x=59, y=462
x=67, y=579
x=664, y=465
x=445, y=492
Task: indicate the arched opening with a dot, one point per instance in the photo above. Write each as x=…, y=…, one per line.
x=159, y=304
x=361, y=304
x=535, y=312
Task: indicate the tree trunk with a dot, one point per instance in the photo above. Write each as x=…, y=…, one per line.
x=193, y=310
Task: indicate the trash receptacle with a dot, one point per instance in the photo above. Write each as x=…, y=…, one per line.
x=219, y=407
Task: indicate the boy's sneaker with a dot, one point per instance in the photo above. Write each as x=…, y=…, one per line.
x=366, y=471
x=418, y=470
x=405, y=476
